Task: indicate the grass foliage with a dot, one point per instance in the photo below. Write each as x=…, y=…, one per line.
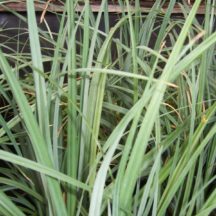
x=123, y=120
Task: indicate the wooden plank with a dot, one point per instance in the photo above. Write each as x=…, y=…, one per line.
x=55, y=7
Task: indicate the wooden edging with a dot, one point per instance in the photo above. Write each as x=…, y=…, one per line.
x=21, y=7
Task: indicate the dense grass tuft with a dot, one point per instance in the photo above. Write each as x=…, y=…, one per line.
x=119, y=121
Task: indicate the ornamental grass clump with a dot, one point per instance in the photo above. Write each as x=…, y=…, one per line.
x=121, y=122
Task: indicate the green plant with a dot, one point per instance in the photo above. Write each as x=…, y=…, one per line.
x=123, y=122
